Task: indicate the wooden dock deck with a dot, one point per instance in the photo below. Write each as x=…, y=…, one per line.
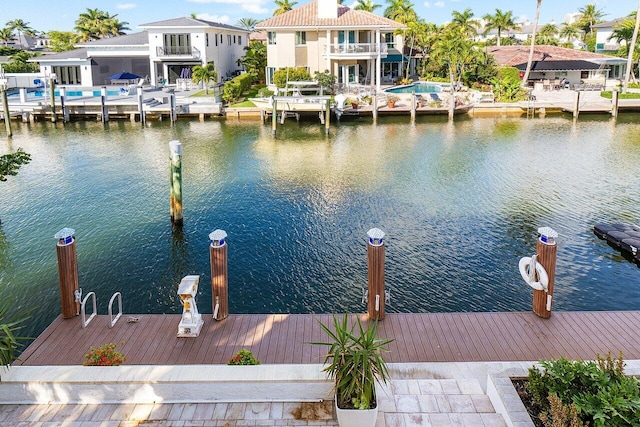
x=284, y=338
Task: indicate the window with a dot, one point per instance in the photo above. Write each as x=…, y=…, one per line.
x=229, y=39
x=301, y=37
x=216, y=37
x=239, y=39
x=346, y=37
x=234, y=39
x=177, y=44
x=206, y=37
x=271, y=37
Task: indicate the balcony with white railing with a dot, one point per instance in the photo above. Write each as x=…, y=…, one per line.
x=356, y=50
x=180, y=51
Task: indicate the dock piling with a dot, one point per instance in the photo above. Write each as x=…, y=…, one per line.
x=175, y=149
x=67, y=271
x=219, y=276
x=413, y=105
x=64, y=108
x=103, y=103
x=52, y=91
x=327, y=120
x=374, y=104
x=140, y=95
x=172, y=106
x=375, y=275
x=5, y=110
x=614, y=103
x=547, y=249
x=576, y=105
x=274, y=118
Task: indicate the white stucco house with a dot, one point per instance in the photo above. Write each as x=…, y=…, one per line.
x=603, y=34
x=162, y=53
x=356, y=46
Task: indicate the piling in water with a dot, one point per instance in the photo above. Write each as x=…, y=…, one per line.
x=219, y=276
x=67, y=271
x=5, y=110
x=375, y=275
x=175, y=149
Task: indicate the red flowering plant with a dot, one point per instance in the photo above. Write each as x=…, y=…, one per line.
x=105, y=355
x=243, y=357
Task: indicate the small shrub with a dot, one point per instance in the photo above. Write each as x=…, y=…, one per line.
x=601, y=393
x=105, y=355
x=284, y=75
x=561, y=415
x=243, y=357
x=265, y=93
x=236, y=86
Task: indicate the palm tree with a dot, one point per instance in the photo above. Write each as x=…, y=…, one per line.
x=6, y=34
x=255, y=60
x=632, y=46
x=465, y=20
x=283, y=6
x=204, y=73
x=548, y=35
x=525, y=78
x=623, y=31
x=247, y=23
x=401, y=11
x=570, y=32
x=96, y=24
x=500, y=21
x=367, y=5
x=21, y=27
x=590, y=16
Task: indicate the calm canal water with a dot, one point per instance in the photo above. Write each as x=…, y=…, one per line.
x=460, y=203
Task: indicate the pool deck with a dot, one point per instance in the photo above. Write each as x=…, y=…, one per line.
x=284, y=338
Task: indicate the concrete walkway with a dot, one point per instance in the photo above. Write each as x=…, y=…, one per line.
x=429, y=402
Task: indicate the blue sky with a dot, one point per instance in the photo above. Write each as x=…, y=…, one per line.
x=45, y=15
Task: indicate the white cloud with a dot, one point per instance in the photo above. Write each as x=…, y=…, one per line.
x=427, y=4
x=222, y=19
x=252, y=6
x=125, y=6
x=439, y=4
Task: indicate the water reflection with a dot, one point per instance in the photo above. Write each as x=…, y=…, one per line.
x=460, y=202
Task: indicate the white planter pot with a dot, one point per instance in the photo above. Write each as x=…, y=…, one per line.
x=356, y=417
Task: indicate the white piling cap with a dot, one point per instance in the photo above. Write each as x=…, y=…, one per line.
x=375, y=233
x=548, y=235
x=175, y=147
x=217, y=235
x=64, y=233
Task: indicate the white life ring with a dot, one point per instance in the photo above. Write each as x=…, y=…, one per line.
x=529, y=268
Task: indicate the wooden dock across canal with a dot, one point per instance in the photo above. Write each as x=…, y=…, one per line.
x=284, y=338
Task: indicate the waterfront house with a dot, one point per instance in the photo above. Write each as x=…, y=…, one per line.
x=554, y=62
x=604, y=31
x=163, y=53
x=356, y=46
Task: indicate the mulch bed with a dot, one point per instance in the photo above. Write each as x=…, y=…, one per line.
x=532, y=408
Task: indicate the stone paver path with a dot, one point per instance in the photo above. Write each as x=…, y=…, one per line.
x=403, y=403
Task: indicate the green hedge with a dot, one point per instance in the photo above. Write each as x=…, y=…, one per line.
x=236, y=86
x=508, y=72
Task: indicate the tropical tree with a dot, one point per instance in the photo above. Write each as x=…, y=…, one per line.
x=21, y=27
x=10, y=343
x=60, y=41
x=255, y=60
x=548, y=35
x=570, y=32
x=247, y=23
x=10, y=163
x=623, y=31
x=96, y=24
x=401, y=11
x=466, y=21
x=501, y=21
x=283, y=6
x=204, y=73
x=19, y=63
x=6, y=34
x=632, y=46
x=525, y=78
x=367, y=5
x=589, y=16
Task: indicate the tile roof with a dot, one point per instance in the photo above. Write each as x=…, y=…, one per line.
x=307, y=16
x=610, y=24
x=511, y=56
x=575, y=65
x=190, y=22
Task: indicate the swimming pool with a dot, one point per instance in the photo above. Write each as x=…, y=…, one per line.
x=40, y=93
x=420, y=87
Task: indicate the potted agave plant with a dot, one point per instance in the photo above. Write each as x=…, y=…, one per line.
x=355, y=364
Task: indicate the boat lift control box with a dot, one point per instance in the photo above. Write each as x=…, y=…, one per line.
x=191, y=321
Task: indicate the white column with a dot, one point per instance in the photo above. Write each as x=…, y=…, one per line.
x=328, y=50
x=378, y=61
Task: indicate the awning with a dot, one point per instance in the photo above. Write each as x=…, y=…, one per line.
x=394, y=58
x=577, y=65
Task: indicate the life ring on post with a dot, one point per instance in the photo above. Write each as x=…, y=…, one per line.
x=530, y=269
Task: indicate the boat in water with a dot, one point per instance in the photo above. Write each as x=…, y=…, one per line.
x=294, y=104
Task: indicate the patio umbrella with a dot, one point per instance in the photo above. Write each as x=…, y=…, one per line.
x=124, y=75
